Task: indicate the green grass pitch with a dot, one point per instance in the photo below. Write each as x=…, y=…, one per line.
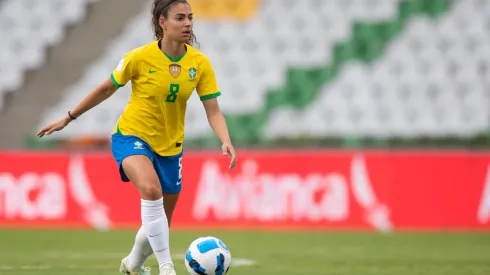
x=45, y=252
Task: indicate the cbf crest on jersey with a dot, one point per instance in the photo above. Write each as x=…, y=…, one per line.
x=192, y=73
x=174, y=70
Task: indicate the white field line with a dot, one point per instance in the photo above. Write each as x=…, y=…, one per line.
x=24, y=267
x=234, y=261
x=47, y=267
x=114, y=255
x=83, y=255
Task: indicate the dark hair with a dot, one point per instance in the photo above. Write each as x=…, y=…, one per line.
x=161, y=8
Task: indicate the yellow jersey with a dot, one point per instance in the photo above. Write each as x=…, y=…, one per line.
x=161, y=87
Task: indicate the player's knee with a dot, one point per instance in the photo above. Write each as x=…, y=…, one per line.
x=151, y=190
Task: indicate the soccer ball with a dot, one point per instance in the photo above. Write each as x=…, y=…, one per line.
x=207, y=256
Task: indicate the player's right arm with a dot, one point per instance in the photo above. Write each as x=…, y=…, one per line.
x=98, y=95
x=119, y=77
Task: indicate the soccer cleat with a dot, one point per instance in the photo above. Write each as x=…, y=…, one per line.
x=167, y=269
x=124, y=269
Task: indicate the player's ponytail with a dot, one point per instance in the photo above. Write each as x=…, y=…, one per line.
x=156, y=12
x=161, y=8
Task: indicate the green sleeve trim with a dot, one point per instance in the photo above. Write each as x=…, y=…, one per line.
x=205, y=97
x=115, y=82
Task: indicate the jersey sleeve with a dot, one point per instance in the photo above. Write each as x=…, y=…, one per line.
x=125, y=71
x=207, y=87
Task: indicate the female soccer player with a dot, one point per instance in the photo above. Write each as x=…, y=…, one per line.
x=147, y=138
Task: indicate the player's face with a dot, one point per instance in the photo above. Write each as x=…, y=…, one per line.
x=178, y=24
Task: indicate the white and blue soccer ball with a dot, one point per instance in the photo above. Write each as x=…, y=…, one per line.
x=207, y=256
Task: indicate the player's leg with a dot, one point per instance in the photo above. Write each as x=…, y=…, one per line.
x=142, y=249
x=132, y=148
x=169, y=170
x=140, y=170
x=140, y=252
x=169, y=203
x=170, y=175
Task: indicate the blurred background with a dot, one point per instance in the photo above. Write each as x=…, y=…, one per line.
x=362, y=128
x=310, y=73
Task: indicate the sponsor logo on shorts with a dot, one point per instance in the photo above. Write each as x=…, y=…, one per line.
x=138, y=145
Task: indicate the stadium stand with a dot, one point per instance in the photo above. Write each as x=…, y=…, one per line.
x=62, y=65
x=321, y=69
x=428, y=79
x=27, y=28
x=240, y=60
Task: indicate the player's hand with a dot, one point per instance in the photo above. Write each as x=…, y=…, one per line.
x=228, y=150
x=53, y=127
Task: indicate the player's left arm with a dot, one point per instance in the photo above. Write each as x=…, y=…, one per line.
x=218, y=124
x=208, y=91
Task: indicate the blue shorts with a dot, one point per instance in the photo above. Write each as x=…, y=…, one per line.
x=168, y=168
